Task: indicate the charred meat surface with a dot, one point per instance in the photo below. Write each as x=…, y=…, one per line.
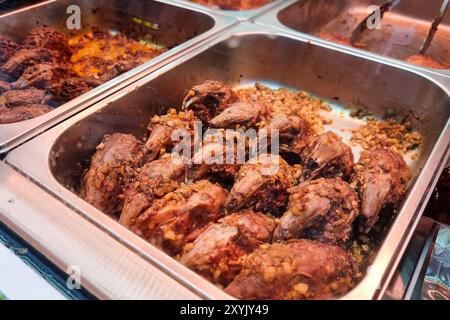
x=294, y=270
x=22, y=113
x=209, y=99
x=381, y=177
x=323, y=210
x=161, y=130
x=219, y=252
x=4, y=86
x=42, y=75
x=114, y=161
x=154, y=180
x=180, y=216
x=234, y=4
x=25, y=58
x=18, y=98
x=262, y=184
x=8, y=48
x=327, y=156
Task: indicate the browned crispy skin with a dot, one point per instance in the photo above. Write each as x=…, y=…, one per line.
x=25, y=58
x=16, y=98
x=381, y=177
x=219, y=251
x=262, y=184
x=327, y=156
x=111, y=165
x=180, y=216
x=42, y=75
x=241, y=115
x=209, y=99
x=234, y=4
x=161, y=130
x=154, y=180
x=298, y=269
x=7, y=48
x=322, y=210
x=22, y=113
x=426, y=61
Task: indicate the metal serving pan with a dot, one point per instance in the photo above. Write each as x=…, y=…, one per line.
x=403, y=30
x=244, y=15
x=180, y=28
x=56, y=159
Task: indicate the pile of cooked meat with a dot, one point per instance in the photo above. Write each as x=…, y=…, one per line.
x=256, y=232
x=48, y=69
x=233, y=4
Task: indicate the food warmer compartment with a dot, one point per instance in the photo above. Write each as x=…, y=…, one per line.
x=57, y=159
x=170, y=25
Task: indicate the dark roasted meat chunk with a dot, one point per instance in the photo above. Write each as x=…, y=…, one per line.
x=322, y=210
x=49, y=38
x=4, y=86
x=381, y=178
x=219, y=157
x=161, y=130
x=72, y=87
x=154, y=180
x=114, y=161
x=25, y=58
x=327, y=156
x=209, y=99
x=7, y=48
x=22, y=113
x=218, y=253
x=17, y=98
x=180, y=216
x=241, y=115
x=262, y=184
x=43, y=76
x=294, y=270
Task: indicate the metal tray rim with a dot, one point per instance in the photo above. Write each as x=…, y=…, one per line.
x=17, y=133
x=367, y=289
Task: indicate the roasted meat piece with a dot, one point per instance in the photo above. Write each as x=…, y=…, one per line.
x=25, y=58
x=180, y=216
x=7, y=48
x=17, y=98
x=51, y=39
x=154, y=180
x=22, y=113
x=209, y=99
x=322, y=210
x=161, y=130
x=42, y=75
x=426, y=61
x=294, y=133
x=233, y=4
x=381, y=178
x=72, y=87
x=4, y=86
x=298, y=269
x=111, y=165
x=241, y=115
x=327, y=156
x=219, y=157
x=262, y=184
x=218, y=253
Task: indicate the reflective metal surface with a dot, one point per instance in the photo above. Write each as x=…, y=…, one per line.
x=244, y=15
x=402, y=32
x=180, y=28
x=56, y=159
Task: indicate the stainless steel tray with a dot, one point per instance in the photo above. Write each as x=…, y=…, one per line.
x=403, y=30
x=244, y=15
x=182, y=27
x=56, y=159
